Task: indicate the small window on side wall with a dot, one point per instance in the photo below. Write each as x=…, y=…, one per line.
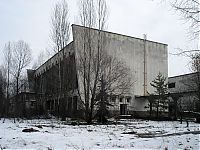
x=171, y=85
x=128, y=99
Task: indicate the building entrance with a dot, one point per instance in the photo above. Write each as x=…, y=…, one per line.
x=123, y=109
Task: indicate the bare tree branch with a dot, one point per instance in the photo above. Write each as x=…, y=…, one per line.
x=60, y=26
x=60, y=33
x=95, y=65
x=189, y=10
x=187, y=53
x=21, y=59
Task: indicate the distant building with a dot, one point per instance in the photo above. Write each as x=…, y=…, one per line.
x=186, y=87
x=144, y=58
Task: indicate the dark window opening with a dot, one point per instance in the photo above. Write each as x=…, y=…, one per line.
x=113, y=99
x=69, y=104
x=123, y=109
x=121, y=99
x=75, y=100
x=128, y=99
x=50, y=105
x=32, y=104
x=171, y=85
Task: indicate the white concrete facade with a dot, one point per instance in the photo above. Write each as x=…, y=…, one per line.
x=144, y=58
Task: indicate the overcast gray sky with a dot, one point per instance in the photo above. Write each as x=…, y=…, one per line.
x=29, y=20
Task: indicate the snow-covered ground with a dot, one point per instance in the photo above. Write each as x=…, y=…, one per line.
x=130, y=134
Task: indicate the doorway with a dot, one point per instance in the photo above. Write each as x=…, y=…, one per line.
x=123, y=109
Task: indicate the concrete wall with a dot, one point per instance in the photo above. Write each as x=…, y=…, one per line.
x=55, y=59
x=45, y=80
x=183, y=83
x=131, y=51
x=186, y=86
x=144, y=58
x=120, y=100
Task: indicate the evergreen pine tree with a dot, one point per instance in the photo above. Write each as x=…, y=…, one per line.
x=161, y=91
x=102, y=102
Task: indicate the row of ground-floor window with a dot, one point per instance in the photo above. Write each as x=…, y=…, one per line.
x=31, y=104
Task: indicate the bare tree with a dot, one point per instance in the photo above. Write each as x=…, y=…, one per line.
x=3, y=100
x=192, y=84
x=93, y=61
x=98, y=19
x=23, y=83
x=60, y=26
x=87, y=13
x=116, y=74
x=189, y=10
x=21, y=58
x=88, y=19
x=60, y=34
x=39, y=61
x=8, y=63
x=195, y=84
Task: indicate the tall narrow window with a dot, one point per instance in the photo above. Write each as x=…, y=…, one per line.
x=121, y=99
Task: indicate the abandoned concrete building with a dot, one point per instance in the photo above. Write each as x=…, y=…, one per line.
x=186, y=89
x=145, y=59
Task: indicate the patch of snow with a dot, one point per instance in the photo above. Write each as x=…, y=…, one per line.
x=56, y=135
